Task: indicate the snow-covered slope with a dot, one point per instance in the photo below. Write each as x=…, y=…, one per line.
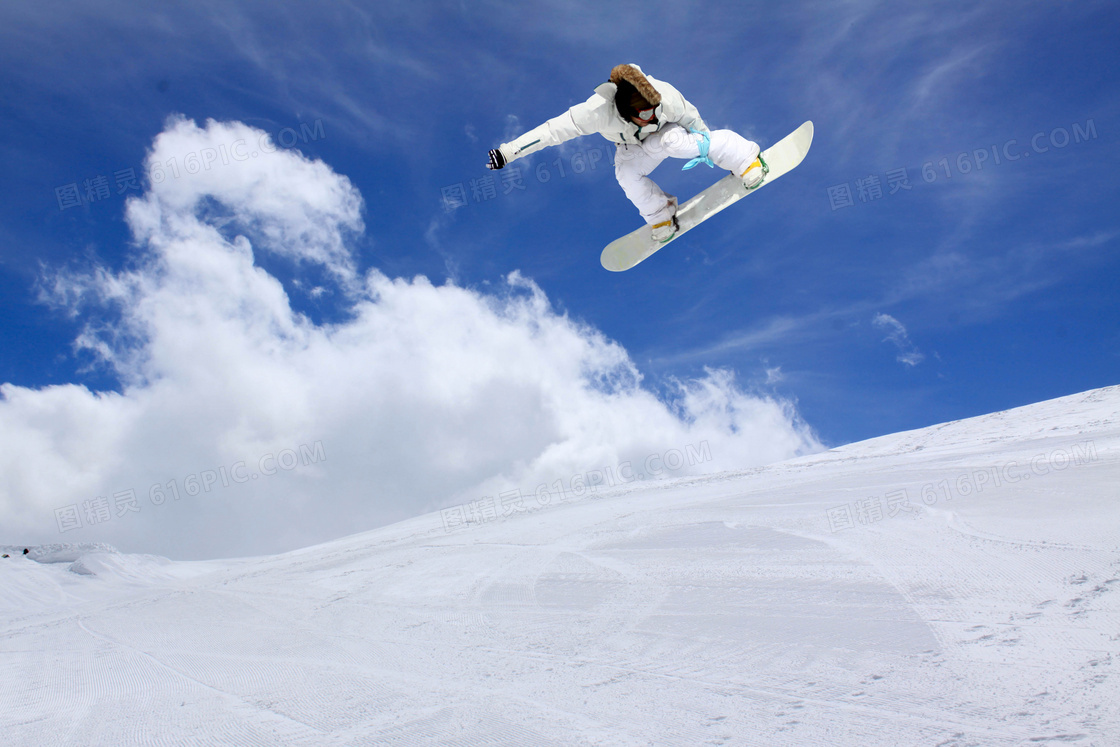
x=956, y=585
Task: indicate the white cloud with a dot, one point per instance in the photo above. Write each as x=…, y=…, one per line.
x=426, y=396
x=908, y=353
x=292, y=206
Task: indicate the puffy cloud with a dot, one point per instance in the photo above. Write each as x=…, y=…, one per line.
x=244, y=427
x=232, y=177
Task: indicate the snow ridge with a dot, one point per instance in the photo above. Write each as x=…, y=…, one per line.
x=972, y=598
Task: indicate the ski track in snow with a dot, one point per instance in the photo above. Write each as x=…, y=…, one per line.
x=721, y=610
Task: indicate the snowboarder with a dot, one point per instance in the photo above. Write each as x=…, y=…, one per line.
x=650, y=121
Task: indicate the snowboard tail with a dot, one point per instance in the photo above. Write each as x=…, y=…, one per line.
x=782, y=157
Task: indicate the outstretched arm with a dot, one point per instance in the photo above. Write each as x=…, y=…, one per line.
x=581, y=119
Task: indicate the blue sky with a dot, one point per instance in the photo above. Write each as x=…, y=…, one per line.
x=990, y=282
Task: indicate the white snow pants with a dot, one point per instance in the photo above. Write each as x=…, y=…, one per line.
x=633, y=164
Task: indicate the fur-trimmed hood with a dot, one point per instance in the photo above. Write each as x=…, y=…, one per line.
x=633, y=75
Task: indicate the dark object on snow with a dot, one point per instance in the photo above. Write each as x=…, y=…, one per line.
x=25, y=551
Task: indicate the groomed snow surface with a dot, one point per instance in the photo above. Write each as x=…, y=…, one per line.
x=957, y=585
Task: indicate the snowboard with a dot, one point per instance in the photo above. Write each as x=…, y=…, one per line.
x=782, y=157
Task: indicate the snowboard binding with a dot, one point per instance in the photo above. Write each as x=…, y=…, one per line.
x=755, y=174
x=664, y=231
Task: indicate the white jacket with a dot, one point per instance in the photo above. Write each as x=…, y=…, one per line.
x=599, y=114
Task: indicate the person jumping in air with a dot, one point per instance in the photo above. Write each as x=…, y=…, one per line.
x=650, y=121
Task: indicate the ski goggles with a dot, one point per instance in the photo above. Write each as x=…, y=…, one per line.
x=645, y=114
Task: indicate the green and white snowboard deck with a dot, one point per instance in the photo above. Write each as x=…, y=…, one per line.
x=782, y=157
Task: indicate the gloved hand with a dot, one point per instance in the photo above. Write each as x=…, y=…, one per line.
x=497, y=160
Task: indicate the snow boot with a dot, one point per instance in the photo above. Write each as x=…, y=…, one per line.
x=664, y=230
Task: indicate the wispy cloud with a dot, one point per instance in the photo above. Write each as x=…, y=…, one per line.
x=986, y=283
x=908, y=353
x=910, y=58
x=769, y=336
